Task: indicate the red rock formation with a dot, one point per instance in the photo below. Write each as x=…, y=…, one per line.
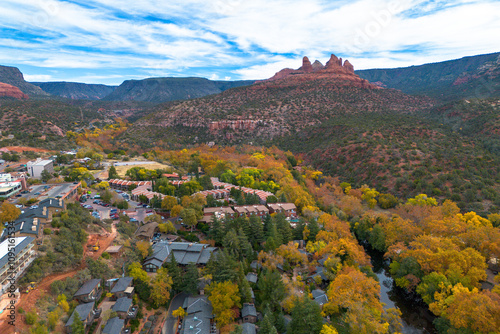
x=306, y=65
x=11, y=91
x=334, y=71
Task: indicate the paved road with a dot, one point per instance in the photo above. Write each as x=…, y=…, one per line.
x=177, y=301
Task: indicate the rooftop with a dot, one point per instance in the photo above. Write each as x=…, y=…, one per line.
x=20, y=243
x=114, y=326
x=122, y=284
x=87, y=287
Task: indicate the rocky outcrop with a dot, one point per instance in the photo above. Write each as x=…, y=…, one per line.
x=335, y=72
x=7, y=90
x=14, y=77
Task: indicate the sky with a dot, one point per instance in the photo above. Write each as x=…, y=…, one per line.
x=109, y=41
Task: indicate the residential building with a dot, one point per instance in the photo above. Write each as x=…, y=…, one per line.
x=184, y=253
x=252, y=277
x=87, y=315
x=114, y=326
x=249, y=313
x=35, y=168
x=123, y=288
x=289, y=209
x=199, y=316
x=24, y=254
x=319, y=297
x=32, y=220
x=90, y=291
x=251, y=210
x=124, y=309
x=146, y=231
x=248, y=328
x=9, y=189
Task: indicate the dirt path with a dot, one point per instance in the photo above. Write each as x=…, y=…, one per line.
x=27, y=301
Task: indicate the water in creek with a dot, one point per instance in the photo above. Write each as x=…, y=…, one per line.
x=417, y=319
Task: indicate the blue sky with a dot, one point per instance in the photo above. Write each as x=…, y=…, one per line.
x=108, y=41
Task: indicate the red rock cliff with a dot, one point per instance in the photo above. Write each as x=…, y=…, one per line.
x=11, y=91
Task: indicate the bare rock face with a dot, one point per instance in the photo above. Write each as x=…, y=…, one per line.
x=11, y=91
x=317, y=66
x=334, y=72
x=348, y=66
x=306, y=65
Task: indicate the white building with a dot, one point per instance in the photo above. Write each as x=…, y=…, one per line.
x=8, y=189
x=13, y=265
x=35, y=168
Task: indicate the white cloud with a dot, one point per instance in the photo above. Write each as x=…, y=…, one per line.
x=37, y=77
x=241, y=39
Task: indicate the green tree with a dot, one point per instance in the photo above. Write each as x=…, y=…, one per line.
x=216, y=231
x=77, y=327
x=46, y=176
x=190, y=279
x=189, y=217
x=176, y=273
x=271, y=290
x=306, y=317
x=266, y=326
x=112, y=174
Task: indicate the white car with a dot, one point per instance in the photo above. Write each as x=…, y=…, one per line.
x=19, y=206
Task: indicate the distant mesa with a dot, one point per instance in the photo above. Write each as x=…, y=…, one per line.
x=7, y=90
x=334, y=69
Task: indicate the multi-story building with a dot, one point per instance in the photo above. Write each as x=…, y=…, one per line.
x=14, y=259
x=35, y=168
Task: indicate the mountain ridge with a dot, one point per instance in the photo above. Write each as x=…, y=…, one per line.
x=76, y=90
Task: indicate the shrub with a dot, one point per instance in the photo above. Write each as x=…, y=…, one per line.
x=47, y=231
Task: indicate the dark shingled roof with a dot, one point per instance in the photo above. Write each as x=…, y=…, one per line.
x=248, y=310
x=114, y=326
x=252, y=277
x=122, y=304
x=83, y=310
x=87, y=287
x=122, y=284
x=248, y=328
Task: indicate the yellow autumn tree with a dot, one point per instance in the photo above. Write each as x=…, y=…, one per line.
x=225, y=300
x=160, y=287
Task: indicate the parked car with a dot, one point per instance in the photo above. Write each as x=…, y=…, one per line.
x=113, y=211
x=133, y=220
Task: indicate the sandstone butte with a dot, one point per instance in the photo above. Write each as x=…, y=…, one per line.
x=334, y=71
x=11, y=91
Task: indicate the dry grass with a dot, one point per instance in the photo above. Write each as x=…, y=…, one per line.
x=121, y=170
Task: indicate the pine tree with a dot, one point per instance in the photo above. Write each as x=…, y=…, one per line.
x=266, y=326
x=284, y=228
x=306, y=317
x=77, y=327
x=216, y=232
x=190, y=279
x=257, y=236
x=314, y=229
x=245, y=291
x=175, y=272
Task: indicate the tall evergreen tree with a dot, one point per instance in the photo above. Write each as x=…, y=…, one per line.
x=271, y=290
x=244, y=286
x=176, y=273
x=284, y=228
x=257, y=236
x=216, y=231
x=223, y=267
x=190, y=279
x=77, y=326
x=266, y=326
x=306, y=317
x=314, y=228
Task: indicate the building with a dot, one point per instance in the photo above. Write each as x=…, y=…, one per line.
x=87, y=315
x=124, y=309
x=249, y=313
x=251, y=210
x=123, y=288
x=8, y=189
x=35, y=168
x=146, y=231
x=125, y=184
x=199, y=316
x=218, y=212
x=24, y=254
x=114, y=326
x=319, y=297
x=248, y=328
x=32, y=220
x=289, y=209
x=184, y=253
x=252, y=277
x=90, y=291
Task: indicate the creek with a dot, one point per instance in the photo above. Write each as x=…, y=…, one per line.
x=416, y=317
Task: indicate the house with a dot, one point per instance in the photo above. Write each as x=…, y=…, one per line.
x=252, y=278
x=89, y=292
x=288, y=209
x=248, y=328
x=146, y=231
x=319, y=273
x=31, y=221
x=319, y=297
x=124, y=309
x=184, y=253
x=249, y=313
x=87, y=315
x=22, y=250
x=35, y=168
x=219, y=212
x=114, y=326
x=123, y=288
x=255, y=265
x=199, y=316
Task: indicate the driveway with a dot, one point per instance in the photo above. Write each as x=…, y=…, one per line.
x=177, y=301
